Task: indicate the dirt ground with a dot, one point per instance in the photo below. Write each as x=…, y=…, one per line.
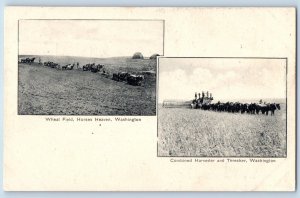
x=49, y=91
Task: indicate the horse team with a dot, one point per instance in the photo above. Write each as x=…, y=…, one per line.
x=92, y=67
x=27, y=60
x=131, y=79
x=237, y=107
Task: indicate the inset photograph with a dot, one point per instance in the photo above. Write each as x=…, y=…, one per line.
x=88, y=67
x=222, y=107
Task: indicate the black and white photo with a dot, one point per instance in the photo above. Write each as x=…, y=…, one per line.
x=88, y=67
x=222, y=107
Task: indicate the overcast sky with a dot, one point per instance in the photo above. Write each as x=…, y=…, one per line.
x=90, y=38
x=227, y=79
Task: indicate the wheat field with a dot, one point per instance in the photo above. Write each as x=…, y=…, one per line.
x=48, y=91
x=184, y=132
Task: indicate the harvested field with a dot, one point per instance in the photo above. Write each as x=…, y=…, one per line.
x=49, y=91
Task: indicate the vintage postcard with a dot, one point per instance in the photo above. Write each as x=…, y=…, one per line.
x=149, y=99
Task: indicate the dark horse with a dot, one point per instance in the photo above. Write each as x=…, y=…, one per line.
x=27, y=60
x=265, y=108
x=273, y=107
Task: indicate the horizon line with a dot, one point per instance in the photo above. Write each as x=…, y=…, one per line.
x=186, y=100
x=128, y=56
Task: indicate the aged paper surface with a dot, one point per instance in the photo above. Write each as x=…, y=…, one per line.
x=89, y=97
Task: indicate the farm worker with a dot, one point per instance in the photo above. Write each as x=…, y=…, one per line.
x=195, y=95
